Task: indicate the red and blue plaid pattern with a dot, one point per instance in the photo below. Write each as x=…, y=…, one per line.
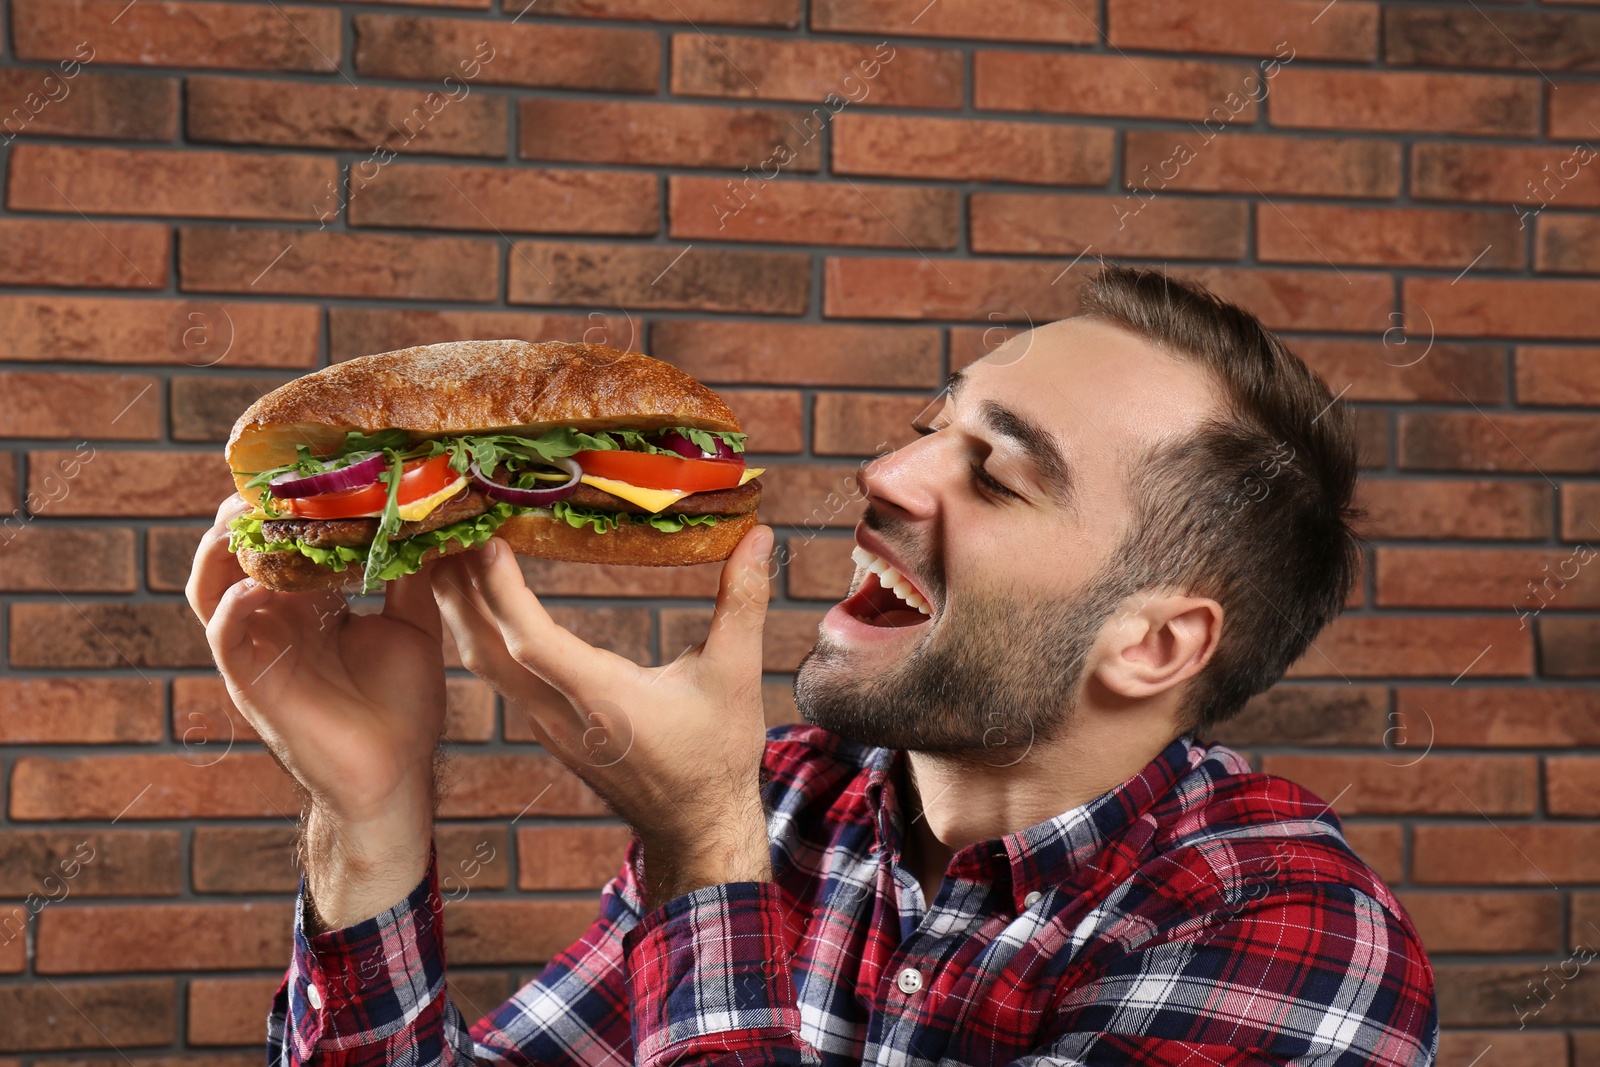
x=1197, y=914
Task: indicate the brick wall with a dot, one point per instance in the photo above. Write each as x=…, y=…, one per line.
x=819, y=210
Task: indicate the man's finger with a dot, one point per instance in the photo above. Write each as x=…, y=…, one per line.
x=214, y=572
x=410, y=600
x=741, y=614
x=533, y=638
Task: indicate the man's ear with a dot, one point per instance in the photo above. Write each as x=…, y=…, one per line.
x=1157, y=642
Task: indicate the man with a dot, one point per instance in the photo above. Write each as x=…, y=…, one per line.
x=995, y=841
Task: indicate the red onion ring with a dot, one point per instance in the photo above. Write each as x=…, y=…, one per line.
x=689, y=450
x=530, y=498
x=356, y=475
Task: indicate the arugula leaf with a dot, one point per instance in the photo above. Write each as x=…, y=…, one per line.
x=379, y=554
x=603, y=521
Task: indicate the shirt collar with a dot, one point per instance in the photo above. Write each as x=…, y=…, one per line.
x=1047, y=854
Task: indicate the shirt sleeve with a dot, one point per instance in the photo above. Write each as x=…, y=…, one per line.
x=1319, y=972
x=374, y=994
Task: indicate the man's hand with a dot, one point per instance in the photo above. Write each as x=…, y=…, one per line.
x=351, y=705
x=674, y=750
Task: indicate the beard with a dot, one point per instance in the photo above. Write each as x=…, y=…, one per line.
x=1000, y=672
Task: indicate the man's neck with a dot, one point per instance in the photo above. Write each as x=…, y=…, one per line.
x=951, y=802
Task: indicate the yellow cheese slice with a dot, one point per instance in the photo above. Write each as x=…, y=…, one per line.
x=651, y=499
x=420, y=509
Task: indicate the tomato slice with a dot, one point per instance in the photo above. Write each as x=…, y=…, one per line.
x=654, y=471
x=420, y=478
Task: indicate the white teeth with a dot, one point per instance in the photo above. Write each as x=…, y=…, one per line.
x=890, y=578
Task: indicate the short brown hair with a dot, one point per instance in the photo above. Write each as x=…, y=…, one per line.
x=1254, y=508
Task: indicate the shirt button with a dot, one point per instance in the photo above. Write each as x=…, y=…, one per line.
x=910, y=980
x=314, y=995
x=1032, y=898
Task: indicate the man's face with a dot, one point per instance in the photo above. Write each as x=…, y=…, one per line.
x=999, y=525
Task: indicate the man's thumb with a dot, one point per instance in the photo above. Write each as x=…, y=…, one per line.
x=741, y=613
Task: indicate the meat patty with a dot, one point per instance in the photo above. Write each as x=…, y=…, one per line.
x=735, y=501
x=326, y=533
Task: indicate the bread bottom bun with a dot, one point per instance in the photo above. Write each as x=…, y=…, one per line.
x=538, y=536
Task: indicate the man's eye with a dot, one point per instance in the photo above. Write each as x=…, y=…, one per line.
x=989, y=482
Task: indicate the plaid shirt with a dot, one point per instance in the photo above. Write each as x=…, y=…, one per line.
x=1197, y=914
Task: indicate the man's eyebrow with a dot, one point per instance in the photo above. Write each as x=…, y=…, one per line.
x=1038, y=444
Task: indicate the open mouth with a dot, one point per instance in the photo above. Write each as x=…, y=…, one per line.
x=886, y=597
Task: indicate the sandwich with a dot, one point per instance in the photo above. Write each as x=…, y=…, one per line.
x=364, y=470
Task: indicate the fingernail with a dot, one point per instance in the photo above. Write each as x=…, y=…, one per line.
x=491, y=551
x=763, y=544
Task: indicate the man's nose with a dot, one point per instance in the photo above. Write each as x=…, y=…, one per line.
x=904, y=482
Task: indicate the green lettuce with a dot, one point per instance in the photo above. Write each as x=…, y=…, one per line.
x=602, y=521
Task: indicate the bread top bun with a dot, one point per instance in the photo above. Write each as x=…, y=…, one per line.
x=463, y=387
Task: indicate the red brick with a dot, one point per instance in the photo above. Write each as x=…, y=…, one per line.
x=787, y=637
x=718, y=12
x=1413, y=370
x=1565, y=244
x=816, y=72
x=1572, y=110
x=325, y=115
x=1380, y=845
x=243, y=785
x=770, y=416
x=1394, y=644
x=1327, y=233
x=101, y=255
x=503, y=785
x=80, y=711
x=813, y=495
x=92, y=863
x=229, y=1011
x=1287, y=29
x=1566, y=647
x=514, y=931
x=1210, y=161
x=124, y=107
x=515, y=200
x=1510, y=307
x=1458, y=1048
x=1580, y=511
x=513, y=53
x=1519, y=853
x=968, y=344
x=1569, y=785
x=569, y=857
x=1435, y=785
x=1065, y=24
x=660, y=276
x=1485, y=922
x=200, y=333
x=244, y=859
x=204, y=408
x=817, y=568
x=363, y=331
x=113, y=407
x=778, y=704
x=794, y=212
x=1504, y=175
x=67, y=559
x=14, y=953
x=1427, y=37
x=863, y=424
x=189, y=937
x=1010, y=290
x=1310, y=715
x=1108, y=225
x=63, y=633
x=234, y=259
x=1426, y=103
x=143, y=181
x=84, y=1015
x=241, y=36
x=165, y=484
x=1546, y=716
x=1522, y=579
x=966, y=149
x=1476, y=509
x=673, y=135
x=1558, y=376
x=1458, y=441
x=1077, y=83
x=800, y=354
